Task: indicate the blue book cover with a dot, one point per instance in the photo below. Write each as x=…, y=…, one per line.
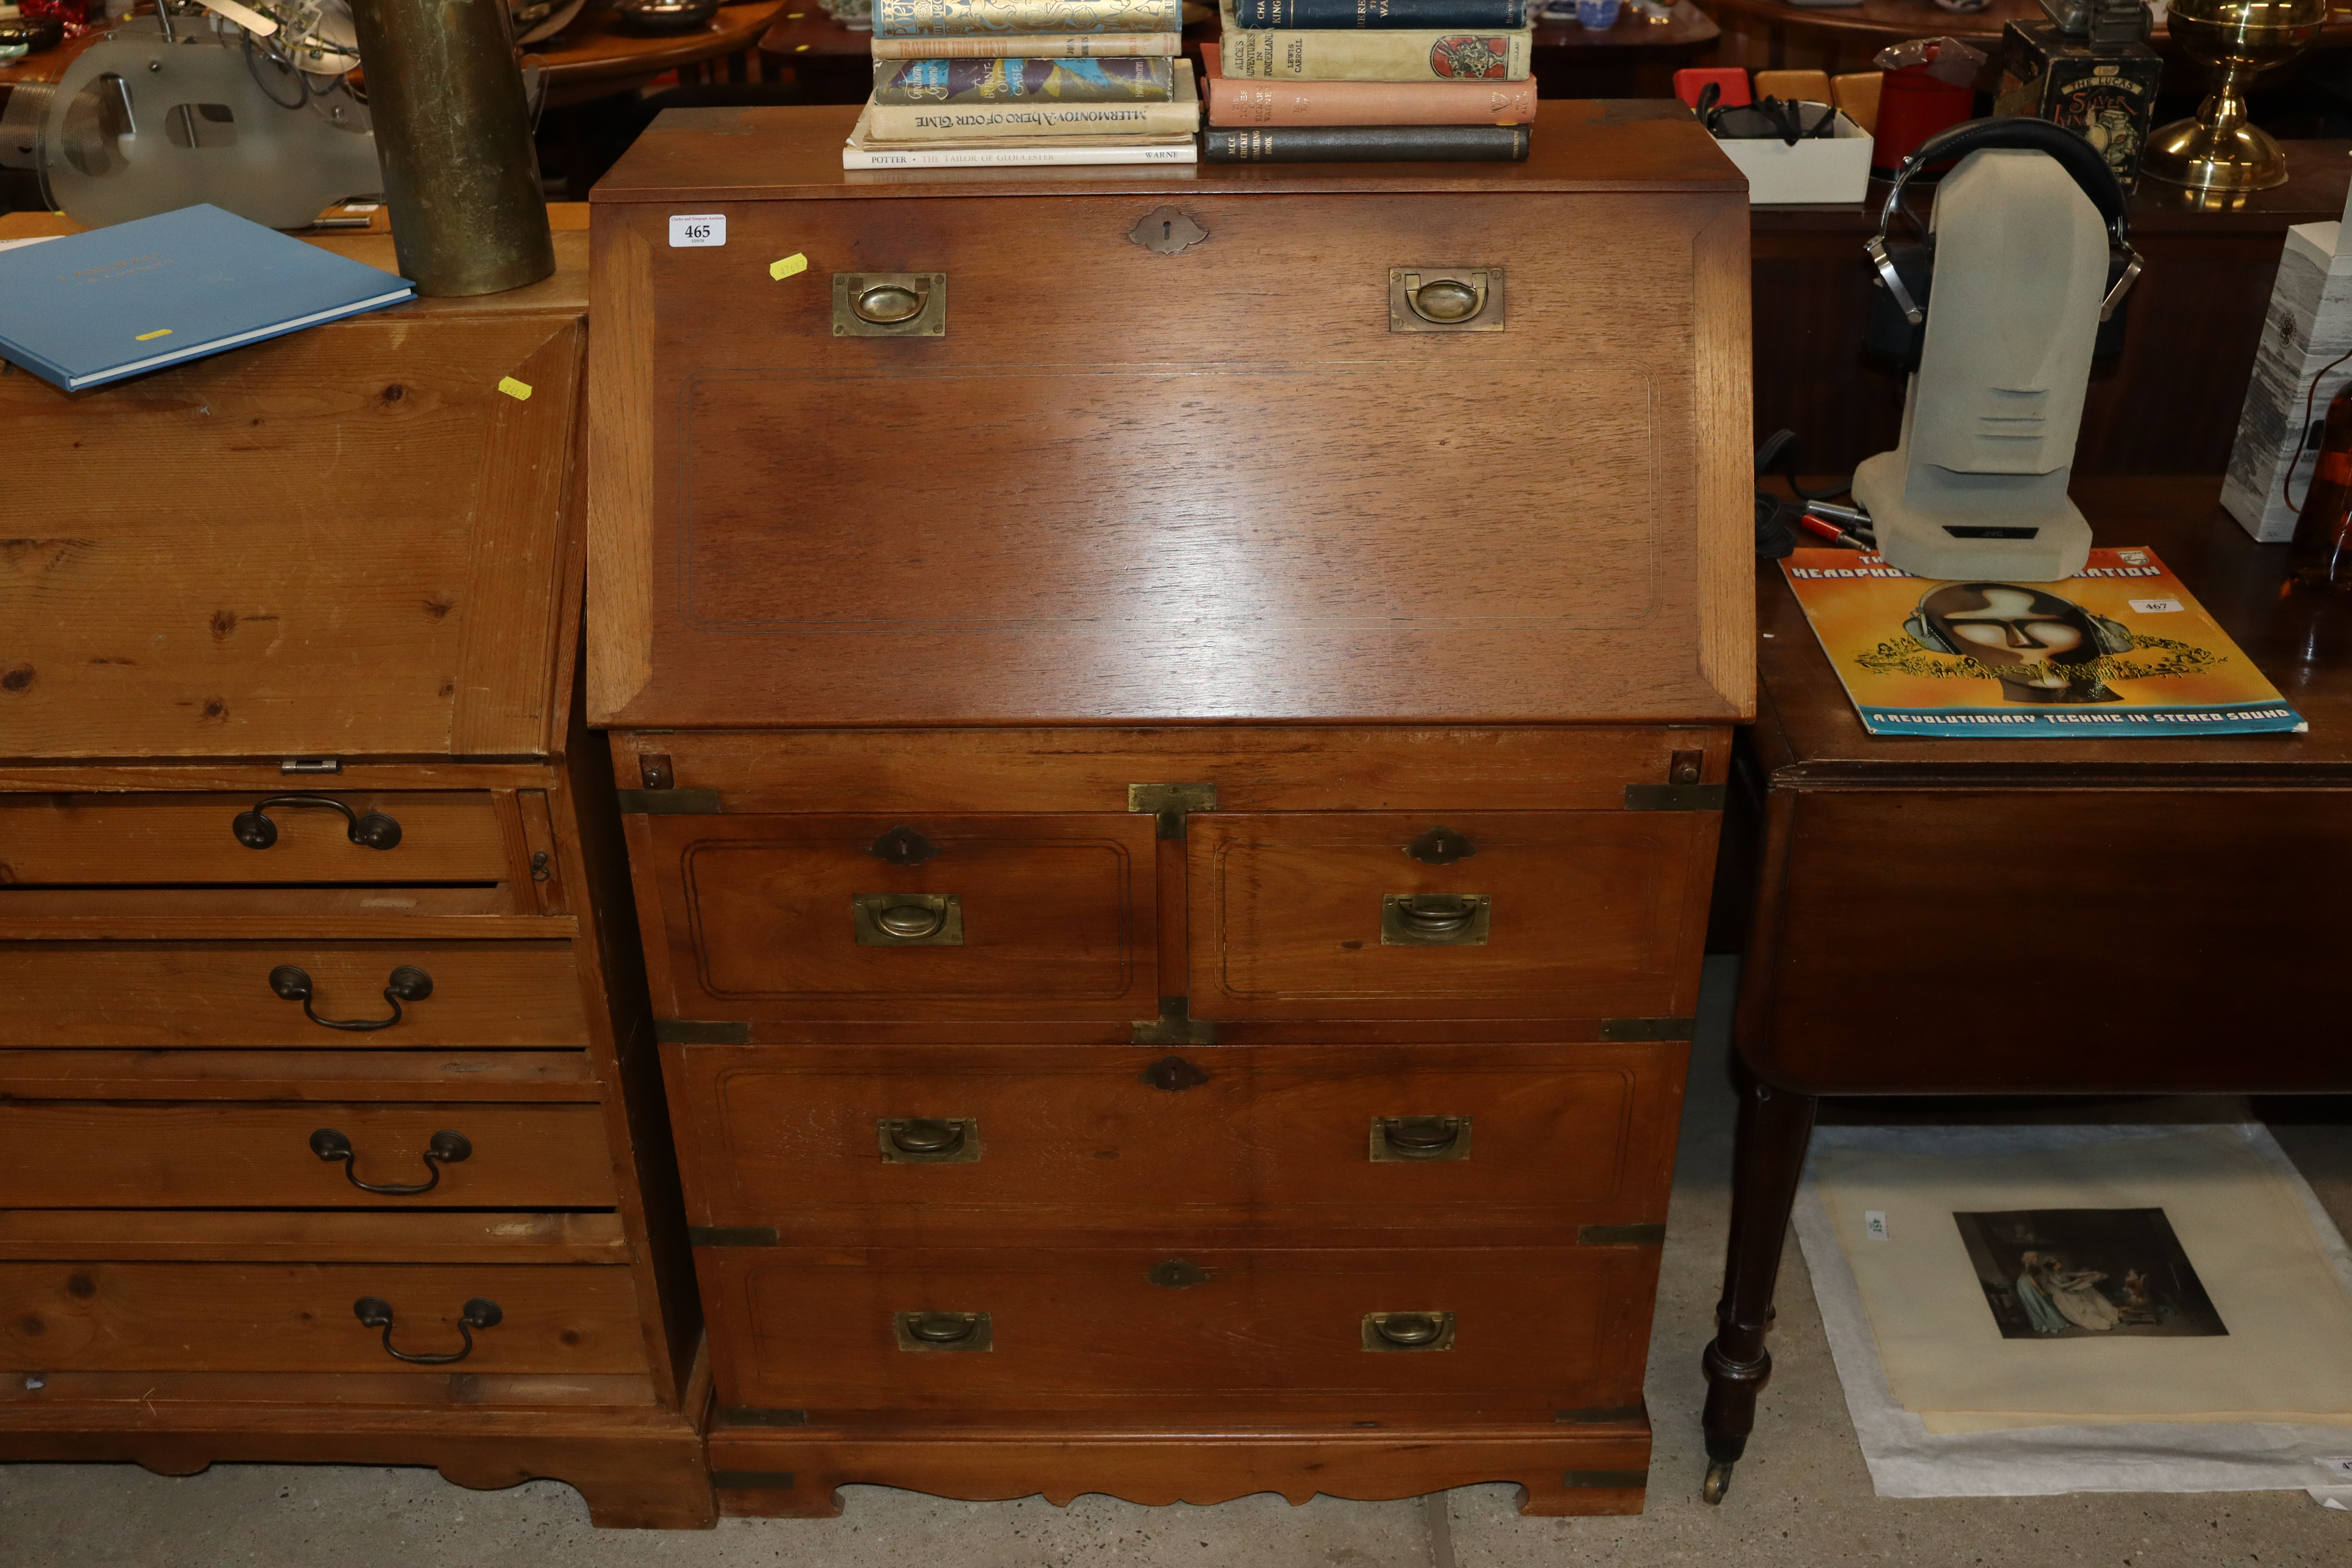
x=92, y=308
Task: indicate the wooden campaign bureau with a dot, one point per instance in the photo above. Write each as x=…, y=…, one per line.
x=331, y=1126
x=1171, y=726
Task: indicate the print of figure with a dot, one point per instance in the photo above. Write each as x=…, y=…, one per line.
x=2074, y=1292
x=2044, y=1317
x=2041, y=649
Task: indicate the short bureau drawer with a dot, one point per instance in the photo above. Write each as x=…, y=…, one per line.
x=911, y=916
x=281, y=836
x=304, y=1317
x=1560, y=914
x=71, y=1155
x=161, y=993
x=837, y=1143
x=1013, y=1328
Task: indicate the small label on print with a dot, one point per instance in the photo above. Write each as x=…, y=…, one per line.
x=696, y=228
x=2341, y=1464
x=1874, y=1224
x=2156, y=607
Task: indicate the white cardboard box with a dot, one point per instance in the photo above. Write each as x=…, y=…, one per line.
x=2307, y=330
x=1835, y=168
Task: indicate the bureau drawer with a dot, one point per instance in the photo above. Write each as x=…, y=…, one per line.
x=69, y=1154
x=255, y=1317
x=1547, y=1328
x=278, y=837
x=914, y=917
x=815, y=1141
x=522, y=993
x=1562, y=914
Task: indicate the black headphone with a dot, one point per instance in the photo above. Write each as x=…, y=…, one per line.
x=1898, y=326
x=2107, y=636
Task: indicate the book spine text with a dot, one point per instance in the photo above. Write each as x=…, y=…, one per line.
x=1381, y=14
x=1367, y=144
x=1015, y=81
x=954, y=19
x=1369, y=102
x=918, y=123
x=1032, y=47
x=1292, y=55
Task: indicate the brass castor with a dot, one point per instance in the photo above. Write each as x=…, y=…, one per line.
x=1718, y=1480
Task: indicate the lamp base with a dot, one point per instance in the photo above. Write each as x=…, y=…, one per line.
x=2225, y=157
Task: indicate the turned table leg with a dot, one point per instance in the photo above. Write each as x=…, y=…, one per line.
x=1768, y=1155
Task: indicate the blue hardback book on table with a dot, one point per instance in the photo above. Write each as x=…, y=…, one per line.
x=92, y=308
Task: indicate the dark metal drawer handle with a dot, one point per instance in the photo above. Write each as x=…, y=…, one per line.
x=1437, y=916
x=928, y=1140
x=944, y=1330
x=1408, y=1330
x=370, y=830
x=407, y=983
x=481, y=1312
x=1435, y=919
x=1421, y=1137
x=446, y=1148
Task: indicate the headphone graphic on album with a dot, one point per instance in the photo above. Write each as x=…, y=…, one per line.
x=2108, y=637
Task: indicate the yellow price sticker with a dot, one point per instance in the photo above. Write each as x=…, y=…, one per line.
x=791, y=266
x=150, y=337
x=517, y=389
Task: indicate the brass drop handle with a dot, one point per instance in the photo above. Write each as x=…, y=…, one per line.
x=481, y=1312
x=910, y=922
x=406, y=983
x=370, y=830
x=1436, y=914
x=887, y=304
x=1422, y=1137
x=447, y=1148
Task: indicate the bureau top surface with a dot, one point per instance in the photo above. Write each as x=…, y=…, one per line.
x=794, y=153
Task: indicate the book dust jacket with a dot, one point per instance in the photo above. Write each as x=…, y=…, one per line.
x=2123, y=648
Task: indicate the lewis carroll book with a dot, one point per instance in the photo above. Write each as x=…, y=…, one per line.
x=1021, y=80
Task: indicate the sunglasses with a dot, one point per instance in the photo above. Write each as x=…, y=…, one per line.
x=1790, y=121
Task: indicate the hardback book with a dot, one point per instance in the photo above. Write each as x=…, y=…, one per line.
x=87, y=308
x=984, y=81
x=1179, y=115
x=1031, y=46
x=1234, y=103
x=1378, y=14
x=2122, y=649
x=1366, y=145
x=958, y=18
x=1258, y=54
x=862, y=154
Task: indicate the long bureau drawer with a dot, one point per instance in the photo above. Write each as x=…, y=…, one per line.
x=287, y=835
x=834, y=1142
x=67, y=1155
x=161, y=993
x=258, y=1317
x=973, y=1328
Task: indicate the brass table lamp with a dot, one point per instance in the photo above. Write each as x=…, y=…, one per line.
x=2220, y=150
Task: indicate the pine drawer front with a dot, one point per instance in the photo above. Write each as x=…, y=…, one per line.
x=295, y=835
x=294, y=1317
x=836, y=1143
x=1589, y=915
x=1188, y=1326
x=67, y=1154
x=251, y=589
x=912, y=917
x=155, y=994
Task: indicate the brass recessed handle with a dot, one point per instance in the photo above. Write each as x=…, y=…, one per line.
x=447, y=1148
x=1448, y=299
x=1421, y=1137
x=888, y=304
x=908, y=919
x=1408, y=1330
x=405, y=983
x=481, y=1312
x=369, y=830
x=1445, y=299
x=911, y=923
x=1435, y=919
x=943, y=1331
x=1437, y=916
x=928, y=1140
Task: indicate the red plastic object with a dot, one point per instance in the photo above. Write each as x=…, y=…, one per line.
x=1912, y=107
x=1733, y=79
x=78, y=16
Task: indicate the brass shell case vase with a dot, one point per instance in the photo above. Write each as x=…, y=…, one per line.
x=2221, y=149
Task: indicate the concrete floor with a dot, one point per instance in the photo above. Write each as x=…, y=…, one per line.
x=1802, y=1496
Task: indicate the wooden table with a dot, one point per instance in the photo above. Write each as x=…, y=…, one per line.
x=595, y=57
x=1851, y=34
x=1974, y=917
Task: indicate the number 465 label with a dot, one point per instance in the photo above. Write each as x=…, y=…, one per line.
x=696, y=228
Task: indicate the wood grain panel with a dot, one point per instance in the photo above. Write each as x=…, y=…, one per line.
x=756, y=913
x=285, y=561
x=67, y=1234
x=1593, y=914
x=621, y=473
x=300, y=1074
x=449, y=836
x=67, y=1155
x=1080, y=1327
x=1074, y=1138
x=150, y=994
x=270, y=1317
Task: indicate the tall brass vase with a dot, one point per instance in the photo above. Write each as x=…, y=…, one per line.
x=2220, y=150
x=453, y=133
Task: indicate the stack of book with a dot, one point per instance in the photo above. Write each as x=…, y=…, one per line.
x=1369, y=80
x=1000, y=83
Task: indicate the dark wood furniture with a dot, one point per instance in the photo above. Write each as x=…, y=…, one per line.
x=596, y=56
x=1847, y=37
x=2197, y=315
x=1173, y=842
x=331, y=1126
x=831, y=63
x=1997, y=917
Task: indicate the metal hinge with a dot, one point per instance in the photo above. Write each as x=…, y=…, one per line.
x=701, y=1032
x=1171, y=803
x=731, y=1235
x=1666, y=797
x=1174, y=1027
x=668, y=802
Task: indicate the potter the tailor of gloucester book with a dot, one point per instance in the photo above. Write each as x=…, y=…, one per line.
x=2120, y=649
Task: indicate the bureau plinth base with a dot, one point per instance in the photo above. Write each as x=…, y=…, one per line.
x=796, y=1472
x=639, y=1468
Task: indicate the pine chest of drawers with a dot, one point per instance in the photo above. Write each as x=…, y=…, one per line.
x=1171, y=726
x=331, y=1124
